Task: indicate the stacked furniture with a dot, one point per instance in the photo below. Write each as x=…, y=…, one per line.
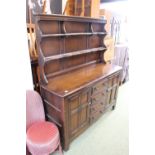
x=76, y=85
x=33, y=55
x=121, y=58
x=88, y=8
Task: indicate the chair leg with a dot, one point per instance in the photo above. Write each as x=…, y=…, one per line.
x=60, y=149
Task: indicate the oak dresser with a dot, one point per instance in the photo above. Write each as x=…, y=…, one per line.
x=77, y=86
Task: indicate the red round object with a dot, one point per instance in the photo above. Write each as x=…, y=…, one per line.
x=42, y=138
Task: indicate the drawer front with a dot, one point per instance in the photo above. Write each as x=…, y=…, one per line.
x=98, y=97
x=98, y=100
x=99, y=87
x=97, y=107
x=96, y=115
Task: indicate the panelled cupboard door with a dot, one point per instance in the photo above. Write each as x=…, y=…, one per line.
x=112, y=90
x=78, y=108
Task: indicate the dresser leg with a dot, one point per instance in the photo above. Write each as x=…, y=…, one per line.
x=66, y=148
x=113, y=107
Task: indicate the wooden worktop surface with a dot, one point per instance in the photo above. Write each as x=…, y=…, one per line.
x=70, y=82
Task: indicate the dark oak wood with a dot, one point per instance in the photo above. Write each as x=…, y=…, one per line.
x=75, y=53
x=80, y=97
x=72, y=34
x=73, y=39
x=77, y=87
x=81, y=78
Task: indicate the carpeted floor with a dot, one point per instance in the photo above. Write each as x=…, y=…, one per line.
x=109, y=135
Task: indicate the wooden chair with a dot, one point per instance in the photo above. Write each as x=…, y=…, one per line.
x=31, y=40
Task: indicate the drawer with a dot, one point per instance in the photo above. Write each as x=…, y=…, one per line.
x=99, y=87
x=98, y=97
x=96, y=115
x=97, y=107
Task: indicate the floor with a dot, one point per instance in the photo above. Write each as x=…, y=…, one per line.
x=109, y=135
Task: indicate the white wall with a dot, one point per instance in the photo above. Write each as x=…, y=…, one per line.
x=120, y=8
x=63, y=5
x=15, y=77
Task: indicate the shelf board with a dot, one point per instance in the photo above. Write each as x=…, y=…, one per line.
x=85, y=76
x=73, y=34
x=99, y=33
x=50, y=58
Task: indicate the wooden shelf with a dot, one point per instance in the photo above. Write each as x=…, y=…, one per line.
x=50, y=58
x=72, y=34
x=62, y=38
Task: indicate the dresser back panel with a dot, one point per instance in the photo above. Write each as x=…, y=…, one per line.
x=97, y=27
x=57, y=27
x=63, y=64
x=76, y=27
x=58, y=45
x=49, y=27
x=75, y=43
x=53, y=66
x=73, y=61
x=93, y=57
x=95, y=41
x=51, y=46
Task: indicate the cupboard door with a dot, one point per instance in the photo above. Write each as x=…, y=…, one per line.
x=78, y=105
x=113, y=84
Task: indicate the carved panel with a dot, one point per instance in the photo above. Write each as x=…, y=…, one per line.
x=78, y=112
